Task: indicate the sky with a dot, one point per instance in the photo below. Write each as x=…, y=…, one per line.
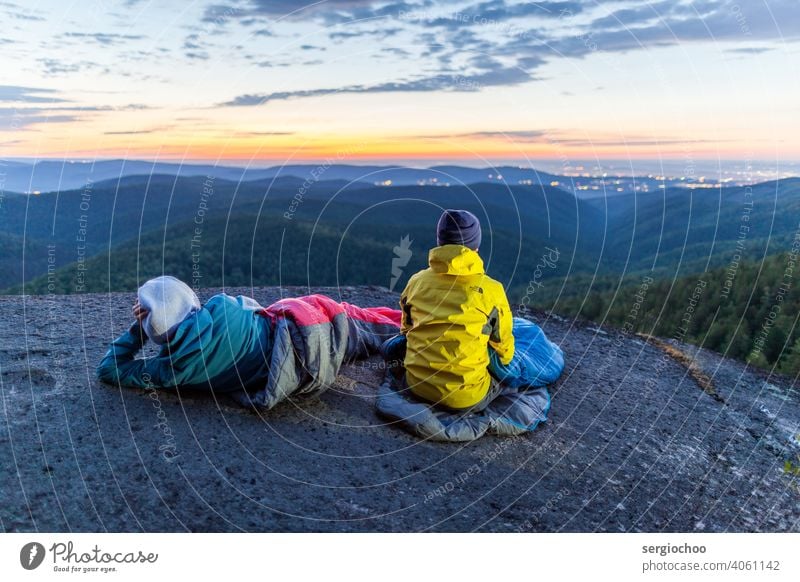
x=355, y=81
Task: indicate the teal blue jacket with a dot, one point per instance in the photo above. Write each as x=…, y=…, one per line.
x=224, y=346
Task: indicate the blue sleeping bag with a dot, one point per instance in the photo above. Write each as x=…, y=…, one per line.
x=522, y=404
x=537, y=361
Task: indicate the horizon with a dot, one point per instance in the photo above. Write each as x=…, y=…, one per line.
x=379, y=81
x=738, y=171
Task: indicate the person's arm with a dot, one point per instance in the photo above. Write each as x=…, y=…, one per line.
x=120, y=365
x=501, y=338
x=405, y=308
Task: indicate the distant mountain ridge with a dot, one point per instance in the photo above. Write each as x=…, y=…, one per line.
x=52, y=176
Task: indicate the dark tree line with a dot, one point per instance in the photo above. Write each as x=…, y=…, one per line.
x=747, y=311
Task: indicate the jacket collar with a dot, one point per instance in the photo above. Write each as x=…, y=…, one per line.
x=455, y=260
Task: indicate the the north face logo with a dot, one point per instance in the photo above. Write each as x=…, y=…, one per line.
x=31, y=555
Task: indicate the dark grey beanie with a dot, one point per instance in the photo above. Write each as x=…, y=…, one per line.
x=459, y=227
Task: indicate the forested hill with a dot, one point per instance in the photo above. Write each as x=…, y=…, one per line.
x=272, y=232
x=747, y=310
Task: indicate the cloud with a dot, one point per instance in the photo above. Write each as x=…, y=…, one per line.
x=16, y=12
x=571, y=138
x=290, y=63
x=380, y=33
x=328, y=11
x=641, y=27
x=132, y=132
x=263, y=133
x=221, y=14
x=306, y=9
x=523, y=134
x=132, y=107
x=632, y=141
x=517, y=135
x=272, y=64
x=501, y=10
x=21, y=118
x=396, y=51
x=194, y=49
x=58, y=67
x=191, y=42
x=632, y=27
x=750, y=50
x=508, y=41
x=441, y=82
x=31, y=17
x=340, y=11
x=669, y=23
x=103, y=38
x=11, y=93
x=633, y=16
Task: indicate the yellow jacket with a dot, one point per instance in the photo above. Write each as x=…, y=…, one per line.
x=452, y=312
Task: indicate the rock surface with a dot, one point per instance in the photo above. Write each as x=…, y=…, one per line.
x=632, y=444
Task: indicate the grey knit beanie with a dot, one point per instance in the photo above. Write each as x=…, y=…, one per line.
x=459, y=227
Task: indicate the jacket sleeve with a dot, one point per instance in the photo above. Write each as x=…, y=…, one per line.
x=120, y=365
x=501, y=338
x=405, y=307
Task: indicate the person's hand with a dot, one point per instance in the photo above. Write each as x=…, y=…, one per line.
x=139, y=312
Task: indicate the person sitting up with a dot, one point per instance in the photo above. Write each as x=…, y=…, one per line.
x=452, y=314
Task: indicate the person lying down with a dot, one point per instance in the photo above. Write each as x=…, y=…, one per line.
x=258, y=355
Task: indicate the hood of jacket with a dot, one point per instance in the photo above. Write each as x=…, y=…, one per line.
x=455, y=260
x=169, y=301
